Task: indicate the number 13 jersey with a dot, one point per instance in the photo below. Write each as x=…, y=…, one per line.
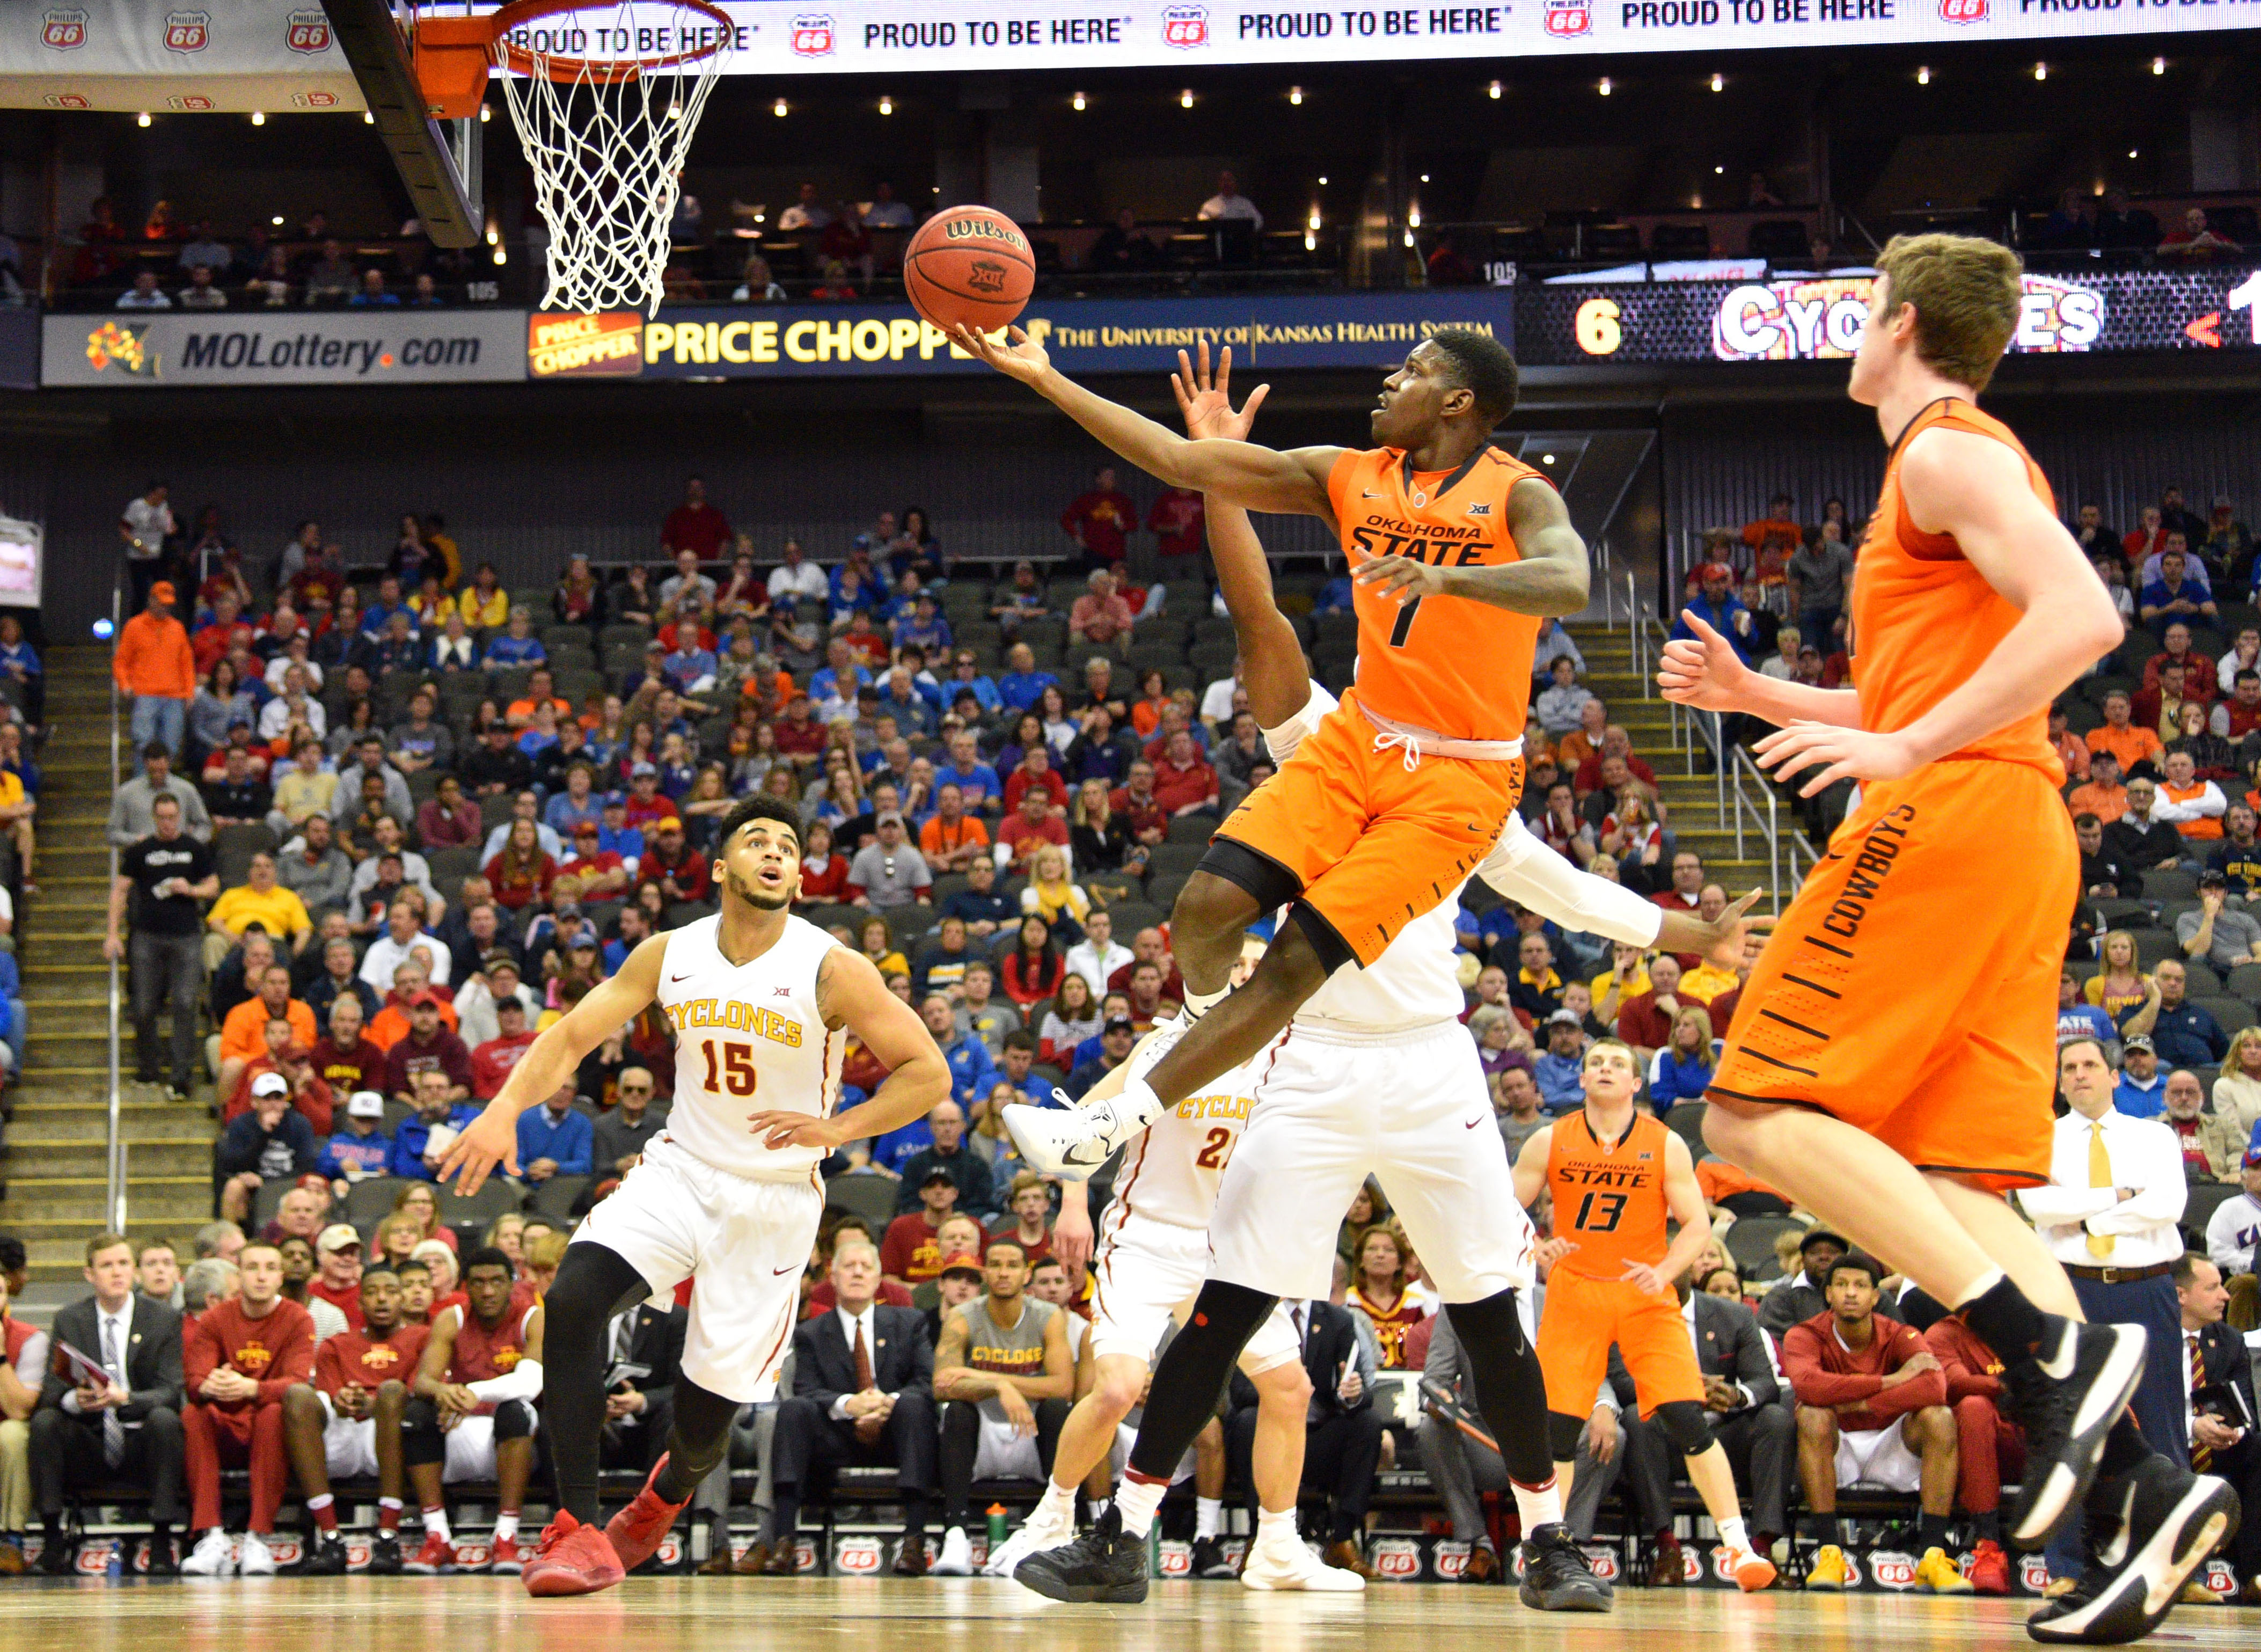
x=1609, y=1196
x=749, y=1038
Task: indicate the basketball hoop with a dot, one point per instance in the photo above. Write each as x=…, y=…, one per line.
x=605, y=136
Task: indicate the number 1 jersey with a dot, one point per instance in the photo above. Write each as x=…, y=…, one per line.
x=749, y=1038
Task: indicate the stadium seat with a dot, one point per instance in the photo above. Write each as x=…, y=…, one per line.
x=867, y=1195
x=1130, y=916
x=1162, y=889
x=1750, y=1242
x=1176, y=856
x=1686, y=1121
x=2201, y=1202
x=553, y=1198
x=2170, y=886
x=2230, y=1013
x=1193, y=829
x=490, y=1202
x=2244, y=982
x=2153, y=945
x=2119, y=915
x=450, y=867
x=370, y=1202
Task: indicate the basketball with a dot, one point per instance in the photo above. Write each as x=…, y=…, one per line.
x=969, y=265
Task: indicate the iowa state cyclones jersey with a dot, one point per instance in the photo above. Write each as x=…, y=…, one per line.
x=1452, y=666
x=1171, y=1173
x=355, y=1357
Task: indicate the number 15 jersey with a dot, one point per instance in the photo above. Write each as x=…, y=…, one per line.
x=1609, y=1196
x=749, y=1038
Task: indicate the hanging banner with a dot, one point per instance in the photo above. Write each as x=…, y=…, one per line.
x=160, y=57
x=139, y=348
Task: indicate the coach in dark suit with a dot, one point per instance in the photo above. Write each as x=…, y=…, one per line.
x=1743, y=1399
x=2218, y=1394
x=863, y=1393
x=644, y=1346
x=86, y=1432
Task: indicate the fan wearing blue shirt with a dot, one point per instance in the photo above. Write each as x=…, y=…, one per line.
x=1719, y=609
x=976, y=781
x=1557, y=1071
x=1022, y=685
x=553, y=1140
x=841, y=667
x=2142, y=1092
x=972, y=1071
x=412, y=1134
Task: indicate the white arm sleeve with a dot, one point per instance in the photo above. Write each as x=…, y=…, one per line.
x=522, y=1381
x=1523, y=868
x=1282, y=740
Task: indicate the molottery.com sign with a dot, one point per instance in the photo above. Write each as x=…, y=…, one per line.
x=1083, y=335
x=134, y=348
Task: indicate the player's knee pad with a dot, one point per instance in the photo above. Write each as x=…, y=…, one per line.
x=421, y=1439
x=513, y=1419
x=1262, y=879
x=1685, y=1425
x=1563, y=1434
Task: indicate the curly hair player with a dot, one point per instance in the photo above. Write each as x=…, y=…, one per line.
x=1900, y=1100
x=1314, y=1134
x=728, y=1195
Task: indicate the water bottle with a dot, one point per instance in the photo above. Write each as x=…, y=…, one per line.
x=996, y=1526
x=1154, y=1548
x=116, y=1568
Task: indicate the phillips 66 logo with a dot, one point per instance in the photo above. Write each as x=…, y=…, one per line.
x=1185, y=27
x=1398, y=1559
x=63, y=29
x=1963, y=10
x=812, y=37
x=187, y=31
x=307, y=31
x=1566, y=18
x=859, y=1556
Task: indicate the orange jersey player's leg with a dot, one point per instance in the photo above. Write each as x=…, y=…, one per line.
x=1373, y=842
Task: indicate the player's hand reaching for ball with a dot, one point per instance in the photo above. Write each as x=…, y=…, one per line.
x=1020, y=357
x=1703, y=671
x=488, y=1140
x=1207, y=404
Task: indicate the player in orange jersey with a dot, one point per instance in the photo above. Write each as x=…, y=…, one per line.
x=1890, y=1063
x=1616, y=1175
x=1458, y=552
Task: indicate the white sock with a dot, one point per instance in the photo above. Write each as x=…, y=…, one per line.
x=435, y=1525
x=1209, y=1516
x=1275, y=1526
x=1058, y=1506
x=315, y=1506
x=1734, y=1534
x=506, y=1527
x=1199, y=1004
x=1138, y=1104
x=1136, y=1500
x=1539, y=1505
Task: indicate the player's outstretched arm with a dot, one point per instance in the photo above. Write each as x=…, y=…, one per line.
x=1294, y=483
x=851, y=993
x=549, y=1063
x=1273, y=668
x=1703, y=671
x=1976, y=489
x=1550, y=579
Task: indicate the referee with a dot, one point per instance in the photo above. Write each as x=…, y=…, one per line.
x=168, y=876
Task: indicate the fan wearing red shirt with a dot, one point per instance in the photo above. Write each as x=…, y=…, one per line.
x=1100, y=519
x=1032, y=827
x=695, y=525
x=1184, y=782
x=1989, y=1446
x=346, y=1422
x=243, y=1357
x=491, y=1061
x=823, y=875
x=337, y=1278
x=1178, y=521
x=799, y=735
x=680, y=872
x=1035, y=769
x=645, y=806
x=1616, y=743
x=1136, y=803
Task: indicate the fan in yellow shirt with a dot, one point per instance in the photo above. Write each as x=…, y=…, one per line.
x=259, y=900
x=1626, y=978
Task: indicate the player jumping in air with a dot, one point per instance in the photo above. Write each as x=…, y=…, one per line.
x=761, y=1003
x=1891, y=1064
x=1458, y=552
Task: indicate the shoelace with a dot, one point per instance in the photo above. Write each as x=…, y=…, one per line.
x=1387, y=739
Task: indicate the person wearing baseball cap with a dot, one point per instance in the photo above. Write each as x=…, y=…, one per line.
x=1798, y=1296
x=360, y=1147
x=155, y=666
x=2142, y=1092
x=337, y=1278
x=911, y=1253
x=1716, y=610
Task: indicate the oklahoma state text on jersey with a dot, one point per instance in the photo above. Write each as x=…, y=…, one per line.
x=1608, y=1196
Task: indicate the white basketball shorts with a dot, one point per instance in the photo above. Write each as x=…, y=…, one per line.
x=1147, y=1274
x=470, y=1450
x=1879, y=1456
x=1410, y=1109
x=350, y=1446
x=675, y=1216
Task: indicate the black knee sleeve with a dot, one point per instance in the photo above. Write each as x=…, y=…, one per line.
x=1510, y=1388
x=1262, y=879
x=421, y=1439
x=700, y=1435
x=514, y=1420
x=1563, y=1434
x=1685, y=1425
x=1196, y=1365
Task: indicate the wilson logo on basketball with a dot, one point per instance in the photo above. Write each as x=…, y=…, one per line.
x=1396, y=1558
x=812, y=37
x=1963, y=10
x=983, y=229
x=307, y=32
x=187, y=31
x=1184, y=27
x=1568, y=17
x=64, y=30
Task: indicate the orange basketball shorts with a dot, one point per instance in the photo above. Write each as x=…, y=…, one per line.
x=1910, y=989
x=1374, y=843
x=1584, y=1316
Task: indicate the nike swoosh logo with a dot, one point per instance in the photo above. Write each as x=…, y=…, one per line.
x=1472, y=1124
x=788, y=1268
x=673, y=980
x=1368, y=493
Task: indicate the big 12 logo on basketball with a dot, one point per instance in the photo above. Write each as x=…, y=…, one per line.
x=1185, y=27
x=812, y=36
x=187, y=31
x=1963, y=10
x=1568, y=17
x=1396, y=1559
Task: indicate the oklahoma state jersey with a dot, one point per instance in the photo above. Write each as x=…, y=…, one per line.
x=1924, y=619
x=1608, y=1196
x=357, y=1357
x=1456, y=668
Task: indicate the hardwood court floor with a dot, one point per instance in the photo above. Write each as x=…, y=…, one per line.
x=478, y=1614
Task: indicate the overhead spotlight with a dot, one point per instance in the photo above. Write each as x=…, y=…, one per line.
x=1493, y=89
x=494, y=235
x=1295, y=96
x=1545, y=459
x=1078, y=101
x=1408, y=238
x=367, y=118
x=1310, y=241
x=1718, y=172
x=2131, y=154
x=258, y=118
x=1323, y=180
x=1315, y=215
x=1413, y=215
x=104, y=629
x=1606, y=88
x=1185, y=98
x=277, y=221
x=781, y=109
x=2158, y=66
x=500, y=256
x=2041, y=71
x=142, y=119
x=1718, y=83
x=886, y=105
x=1923, y=76
x=486, y=114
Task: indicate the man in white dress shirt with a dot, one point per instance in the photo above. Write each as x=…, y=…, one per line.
x=2235, y=1228
x=2109, y=1215
x=1229, y=203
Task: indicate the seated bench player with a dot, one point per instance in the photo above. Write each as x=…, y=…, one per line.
x=472, y=1415
x=244, y=1355
x=347, y=1421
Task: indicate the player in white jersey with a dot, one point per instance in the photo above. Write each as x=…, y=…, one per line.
x=727, y=1194
x=1376, y=1075
x=1151, y=1259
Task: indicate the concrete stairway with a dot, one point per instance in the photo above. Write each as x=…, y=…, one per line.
x=56, y=1177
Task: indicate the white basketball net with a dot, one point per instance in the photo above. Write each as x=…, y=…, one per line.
x=608, y=153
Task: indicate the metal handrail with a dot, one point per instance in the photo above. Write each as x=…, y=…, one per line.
x=114, y=1159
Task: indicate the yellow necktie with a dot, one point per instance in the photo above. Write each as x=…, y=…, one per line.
x=2099, y=1176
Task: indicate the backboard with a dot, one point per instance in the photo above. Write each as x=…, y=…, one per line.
x=438, y=160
